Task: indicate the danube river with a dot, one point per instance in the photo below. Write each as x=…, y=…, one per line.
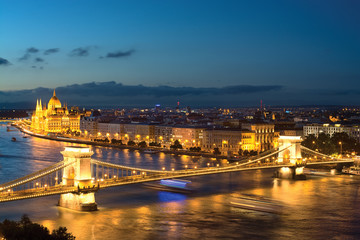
x=318, y=208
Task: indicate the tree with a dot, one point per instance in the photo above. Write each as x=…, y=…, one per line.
x=115, y=141
x=253, y=153
x=26, y=229
x=176, y=145
x=323, y=143
x=61, y=234
x=339, y=142
x=131, y=143
x=246, y=153
x=310, y=142
x=142, y=144
x=216, y=151
x=195, y=149
x=154, y=144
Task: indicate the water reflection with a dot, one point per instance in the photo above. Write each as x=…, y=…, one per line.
x=318, y=208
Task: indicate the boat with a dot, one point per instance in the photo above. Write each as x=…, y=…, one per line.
x=256, y=203
x=150, y=151
x=353, y=170
x=13, y=139
x=171, y=185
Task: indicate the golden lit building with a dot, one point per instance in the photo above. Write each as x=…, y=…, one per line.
x=54, y=118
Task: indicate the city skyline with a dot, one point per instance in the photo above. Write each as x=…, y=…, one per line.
x=285, y=53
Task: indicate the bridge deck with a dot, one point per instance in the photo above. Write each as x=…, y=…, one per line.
x=119, y=181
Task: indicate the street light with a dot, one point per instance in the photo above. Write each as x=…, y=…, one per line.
x=340, y=143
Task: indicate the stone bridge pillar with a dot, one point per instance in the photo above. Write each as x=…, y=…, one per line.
x=78, y=175
x=293, y=152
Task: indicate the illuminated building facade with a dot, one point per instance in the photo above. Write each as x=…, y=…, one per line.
x=316, y=129
x=55, y=118
x=264, y=135
x=229, y=141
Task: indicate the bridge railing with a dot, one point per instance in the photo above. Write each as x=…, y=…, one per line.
x=34, y=176
x=112, y=165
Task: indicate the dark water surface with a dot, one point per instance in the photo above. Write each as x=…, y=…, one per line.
x=318, y=208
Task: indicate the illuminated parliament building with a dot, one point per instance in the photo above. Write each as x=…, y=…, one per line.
x=54, y=118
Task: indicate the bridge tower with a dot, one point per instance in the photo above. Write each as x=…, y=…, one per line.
x=292, y=155
x=293, y=152
x=78, y=174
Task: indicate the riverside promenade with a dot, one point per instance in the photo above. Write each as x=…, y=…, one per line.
x=78, y=140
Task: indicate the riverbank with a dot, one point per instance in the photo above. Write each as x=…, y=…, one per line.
x=92, y=143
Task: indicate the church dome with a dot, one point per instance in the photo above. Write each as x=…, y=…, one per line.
x=54, y=102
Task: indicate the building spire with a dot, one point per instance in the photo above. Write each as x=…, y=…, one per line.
x=54, y=95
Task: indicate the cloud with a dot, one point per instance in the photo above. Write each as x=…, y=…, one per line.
x=39, y=59
x=120, y=54
x=4, y=62
x=27, y=54
x=25, y=57
x=116, y=89
x=32, y=50
x=80, y=52
x=112, y=93
x=51, y=51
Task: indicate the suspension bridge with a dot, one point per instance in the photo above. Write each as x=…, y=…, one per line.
x=77, y=177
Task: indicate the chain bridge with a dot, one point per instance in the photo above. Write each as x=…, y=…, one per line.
x=77, y=177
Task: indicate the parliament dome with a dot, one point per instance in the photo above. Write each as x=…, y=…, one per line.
x=54, y=102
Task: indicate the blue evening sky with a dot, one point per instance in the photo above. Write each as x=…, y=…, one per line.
x=304, y=47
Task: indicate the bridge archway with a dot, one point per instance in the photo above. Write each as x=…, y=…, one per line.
x=77, y=173
x=286, y=156
x=292, y=151
x=69, y=176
